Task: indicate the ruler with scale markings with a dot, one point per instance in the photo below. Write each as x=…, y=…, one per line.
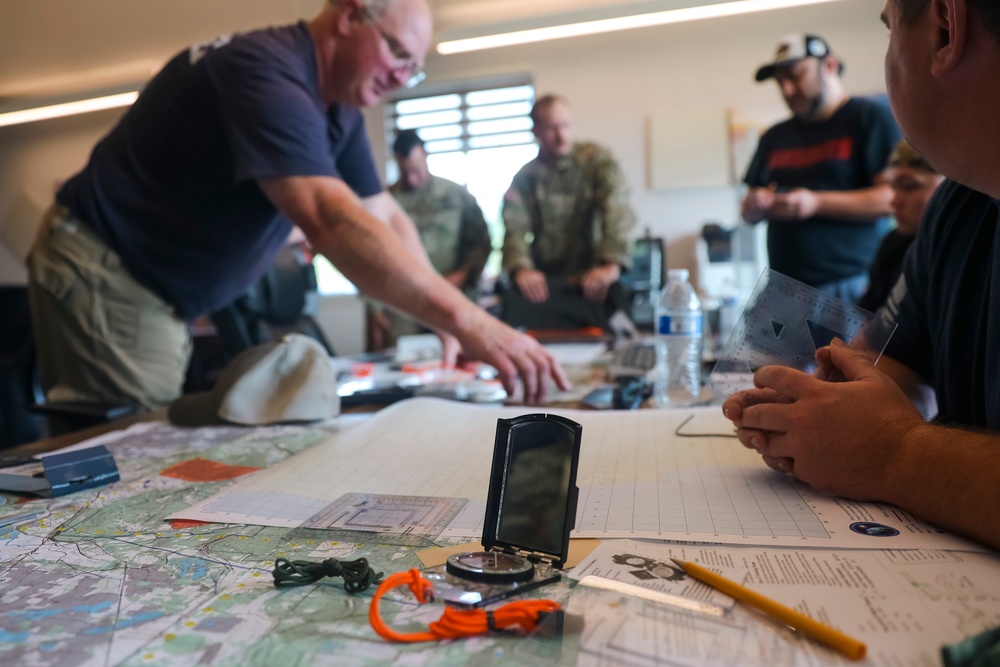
x=784, y=323
x=417, y=516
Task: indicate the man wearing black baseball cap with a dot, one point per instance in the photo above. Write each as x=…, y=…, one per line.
x=793, y=49
x=814, y=177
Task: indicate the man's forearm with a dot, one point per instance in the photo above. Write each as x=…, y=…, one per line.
x=912, y=384
x=368, y=252
x=751, y=215
x=618, y=222
x=613, y=246
x=949, y=477
x=516, y=254
x=379, y=262
x=403, y=226
x=856, y=205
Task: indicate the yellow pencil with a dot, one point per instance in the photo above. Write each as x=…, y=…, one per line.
x=835, y=639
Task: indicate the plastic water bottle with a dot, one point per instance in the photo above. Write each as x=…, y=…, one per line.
x=679, y=320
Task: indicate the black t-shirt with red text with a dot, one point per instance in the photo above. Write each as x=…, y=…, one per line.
x=845, y=152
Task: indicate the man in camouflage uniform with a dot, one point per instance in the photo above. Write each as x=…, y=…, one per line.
x=451, y=227
x=573, y=202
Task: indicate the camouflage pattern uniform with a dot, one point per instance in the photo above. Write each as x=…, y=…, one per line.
x=576, y=212
x=454, y=233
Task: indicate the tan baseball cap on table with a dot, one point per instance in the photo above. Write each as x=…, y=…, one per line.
x=290, y=380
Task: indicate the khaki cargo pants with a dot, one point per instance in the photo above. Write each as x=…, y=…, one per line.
x=101, y=336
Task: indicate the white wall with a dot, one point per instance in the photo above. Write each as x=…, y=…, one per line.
x=615, y=82
x=34, y=159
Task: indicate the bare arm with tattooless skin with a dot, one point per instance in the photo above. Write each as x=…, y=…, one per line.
x=372, y=256
x=864, y=439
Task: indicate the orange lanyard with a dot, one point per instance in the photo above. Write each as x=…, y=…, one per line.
x=455, y=623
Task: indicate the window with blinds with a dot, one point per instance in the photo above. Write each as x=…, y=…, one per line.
x=477, y=137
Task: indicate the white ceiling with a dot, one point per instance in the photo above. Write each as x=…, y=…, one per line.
x=451, y=14
x=65, y=47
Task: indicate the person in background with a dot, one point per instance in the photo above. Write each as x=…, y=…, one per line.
x=864, y=439
x=566, y=212
x=187, y=199
x=913, y=183
x=451, y=228
x=814, y=177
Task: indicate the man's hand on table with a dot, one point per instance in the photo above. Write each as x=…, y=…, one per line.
x=842, y=437
x=513, y=354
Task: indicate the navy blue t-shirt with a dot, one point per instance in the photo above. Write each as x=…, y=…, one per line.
x=886, y=269
x=845, y=152
x=947, y=306
x=172, y=188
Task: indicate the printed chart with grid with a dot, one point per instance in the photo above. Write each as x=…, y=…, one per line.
x=699, y=486
x=640, y=486
x=276, y=506
x=637, y=479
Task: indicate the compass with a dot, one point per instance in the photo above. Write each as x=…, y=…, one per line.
x=490, y=567
x=530, y=511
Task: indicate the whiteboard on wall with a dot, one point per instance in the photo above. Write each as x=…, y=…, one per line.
x=688, y=149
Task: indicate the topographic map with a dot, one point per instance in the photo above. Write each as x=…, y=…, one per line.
x=102, y=579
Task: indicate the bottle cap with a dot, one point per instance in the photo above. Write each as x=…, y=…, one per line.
x=678, y=274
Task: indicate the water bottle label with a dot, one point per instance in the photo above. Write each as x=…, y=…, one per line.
x=679, y=325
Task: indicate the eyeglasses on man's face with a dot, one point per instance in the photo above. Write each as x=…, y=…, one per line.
x=415, y=74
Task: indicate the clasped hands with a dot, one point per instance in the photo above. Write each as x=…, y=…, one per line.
x=768, y=203
x=846, y=438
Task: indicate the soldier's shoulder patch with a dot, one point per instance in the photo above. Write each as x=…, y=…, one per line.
x=512, y=195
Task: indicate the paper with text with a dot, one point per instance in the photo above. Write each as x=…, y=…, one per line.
x=640, y=564
x=902, y=604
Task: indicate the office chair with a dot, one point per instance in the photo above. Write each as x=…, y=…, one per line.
x=25, y=415
x=18, y=378
x=284, y=300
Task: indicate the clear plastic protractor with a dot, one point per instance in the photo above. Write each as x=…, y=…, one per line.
x=784, y=322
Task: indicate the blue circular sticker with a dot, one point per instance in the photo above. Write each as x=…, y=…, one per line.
x=873, y=529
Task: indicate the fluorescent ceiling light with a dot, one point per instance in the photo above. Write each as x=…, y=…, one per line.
x=67, y=109
x=619, y=23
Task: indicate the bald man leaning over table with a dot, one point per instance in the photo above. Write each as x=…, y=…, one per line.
x=185, y=202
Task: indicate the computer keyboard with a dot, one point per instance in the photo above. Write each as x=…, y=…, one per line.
x=632, y=360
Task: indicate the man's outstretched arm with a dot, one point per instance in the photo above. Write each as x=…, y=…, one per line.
x=861, y=205
x=385, y=207
x=372, y=256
